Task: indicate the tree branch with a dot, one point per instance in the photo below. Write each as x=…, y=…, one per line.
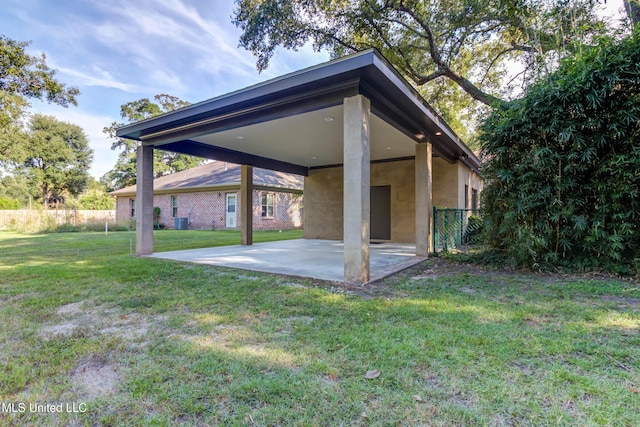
x=504, y=52
x=442, y=68
x=472, y=89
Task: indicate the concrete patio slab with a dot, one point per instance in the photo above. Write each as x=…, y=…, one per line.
x=318, y=259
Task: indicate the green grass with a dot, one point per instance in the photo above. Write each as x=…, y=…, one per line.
x=152, y=342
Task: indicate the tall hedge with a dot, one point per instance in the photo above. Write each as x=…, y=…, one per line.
x=563, y=165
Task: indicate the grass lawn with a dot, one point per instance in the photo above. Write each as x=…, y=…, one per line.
x=129, y=341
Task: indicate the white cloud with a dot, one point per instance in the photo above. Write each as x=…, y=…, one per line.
x=97, y=78
x=169, y=35
x=219, y=36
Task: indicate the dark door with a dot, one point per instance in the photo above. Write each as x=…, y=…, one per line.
x=381, y=212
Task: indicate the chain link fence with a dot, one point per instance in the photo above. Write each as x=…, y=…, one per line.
x=454, y=228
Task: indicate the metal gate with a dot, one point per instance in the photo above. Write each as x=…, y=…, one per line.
x=452, y=228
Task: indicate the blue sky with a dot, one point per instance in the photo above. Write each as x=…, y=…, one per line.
x=118, y=51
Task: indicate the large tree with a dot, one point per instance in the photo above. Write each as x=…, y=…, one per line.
x=24, y=77
x=445, y=47
x=124, y=172
x=57, y=160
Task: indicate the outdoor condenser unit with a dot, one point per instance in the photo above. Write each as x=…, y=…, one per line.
x=181, y=223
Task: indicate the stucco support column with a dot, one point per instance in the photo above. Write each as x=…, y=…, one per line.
x=424, y=201
x=357, y=112
x=144, y=200
x=246, y=205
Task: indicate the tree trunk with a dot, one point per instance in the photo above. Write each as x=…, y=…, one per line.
x=45, y=190
x=633, y=11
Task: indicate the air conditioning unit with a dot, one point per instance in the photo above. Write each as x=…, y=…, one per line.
x=181, y=223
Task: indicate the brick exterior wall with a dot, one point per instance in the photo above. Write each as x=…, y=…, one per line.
x=122, y=209
x=206, y=210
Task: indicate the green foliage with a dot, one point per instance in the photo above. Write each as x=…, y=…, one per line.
x=632, y=8
x=16, y=186
x=57, y=158
x=97, y=200
x=455, y=51
x=562, y=178
x=6, y=203
x=474, y=231
x=123, y=173
x=49, y=161
x=24, y=77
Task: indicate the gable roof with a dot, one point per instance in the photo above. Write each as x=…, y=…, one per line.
x=216, y=175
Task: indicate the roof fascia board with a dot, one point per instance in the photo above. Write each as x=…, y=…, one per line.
x=291, y=81
x=298, y=103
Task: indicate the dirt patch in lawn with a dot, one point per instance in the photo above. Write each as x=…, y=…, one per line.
x=93, y=378
x=72, y=309
x=63, y=329
x=86, y=318
x=623, y=302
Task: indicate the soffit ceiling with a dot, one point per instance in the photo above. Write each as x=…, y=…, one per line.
x=311, y=139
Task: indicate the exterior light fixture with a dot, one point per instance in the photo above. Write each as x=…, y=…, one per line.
x=329, y=119
x=438, y=133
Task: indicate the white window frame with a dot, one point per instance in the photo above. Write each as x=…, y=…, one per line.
x=264, y=205
x=174, y=206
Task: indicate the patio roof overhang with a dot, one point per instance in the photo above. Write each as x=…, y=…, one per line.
x=294, y=123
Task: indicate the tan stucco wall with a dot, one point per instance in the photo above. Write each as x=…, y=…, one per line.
x=445, y=184
x=323, y=194
x=401, y=177
x=472, y=180
x=449, y=180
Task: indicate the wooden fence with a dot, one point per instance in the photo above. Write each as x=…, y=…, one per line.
x=41, y=218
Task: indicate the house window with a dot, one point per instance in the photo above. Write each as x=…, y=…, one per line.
x=174, y=206
x=267, y=205
x=466, y=196
x=132, y=207
x=474, y=198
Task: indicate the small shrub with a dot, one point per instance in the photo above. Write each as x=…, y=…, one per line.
x=120, y=226
x=68, y=228
x=473, y=232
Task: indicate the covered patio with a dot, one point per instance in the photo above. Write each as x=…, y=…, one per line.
x=349, y=126
x=314, y=258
